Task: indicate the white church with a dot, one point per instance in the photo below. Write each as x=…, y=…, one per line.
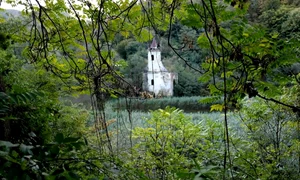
x=157, y=79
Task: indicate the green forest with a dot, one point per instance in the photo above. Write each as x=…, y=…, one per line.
x=71, y=90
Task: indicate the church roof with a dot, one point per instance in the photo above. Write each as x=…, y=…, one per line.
x=154, y=44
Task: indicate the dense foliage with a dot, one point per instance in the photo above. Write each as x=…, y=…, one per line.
x=242, y=55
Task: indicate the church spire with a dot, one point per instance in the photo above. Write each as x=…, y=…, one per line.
x=154, y=44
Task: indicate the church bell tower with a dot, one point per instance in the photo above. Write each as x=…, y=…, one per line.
x=157, y=79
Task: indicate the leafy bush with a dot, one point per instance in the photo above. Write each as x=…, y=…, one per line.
x=171, y=146
x=64, y=158
x=60, y=159
x=270, y=139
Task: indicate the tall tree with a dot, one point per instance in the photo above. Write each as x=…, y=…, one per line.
x=74, y=40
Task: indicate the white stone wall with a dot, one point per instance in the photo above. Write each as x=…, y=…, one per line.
x=163, y=86
x=156, y=64
x=158, y=74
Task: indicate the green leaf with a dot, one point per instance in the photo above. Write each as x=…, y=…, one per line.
x=213, y=89
x=217, y=107
x=143, y=35
x=26, y=149
x=264, y=40
x=205, y=78
x=8, y=144
x=275, y=35
x=245, y=34
x=14, y=154
x=262, y=45
x=203, y=41
x=59, y=138
x=3, y=153
x=210, y=99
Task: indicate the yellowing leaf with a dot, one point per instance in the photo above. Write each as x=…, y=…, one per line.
x=125, y=34
x=264, y=40
x=262, y=45
x=245, y=34
x=217, y=107
x=275, y=35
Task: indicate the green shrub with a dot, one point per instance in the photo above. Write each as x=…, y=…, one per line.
x=271, y=140
x=60, y=159
x=169, y=147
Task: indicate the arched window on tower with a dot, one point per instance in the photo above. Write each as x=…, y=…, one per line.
x=152, y=57
x=152, y=82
